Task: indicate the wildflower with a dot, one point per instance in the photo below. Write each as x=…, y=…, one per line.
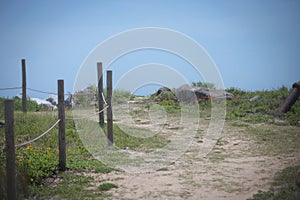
x=29, y=148
x=48, y=151
x=31, y=180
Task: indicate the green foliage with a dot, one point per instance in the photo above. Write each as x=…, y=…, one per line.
x=168, y=100
x=106, y=186
x=283, y=187
x=123, y=140
x=69, y=186
x=202, y=84
x=261, y=110
x=31, y=105
x=39, y=160
x=170, y=106
x=122, y=95
x=87, y=96
x=36, y=163
x=236, y=91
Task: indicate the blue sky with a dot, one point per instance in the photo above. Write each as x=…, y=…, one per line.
x=254, y=44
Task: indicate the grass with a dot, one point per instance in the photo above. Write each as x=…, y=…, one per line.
x=106, y=186
x=273, y=139
x=68, y=186
x=263, y=109
x=283, y=186
x=39, y=160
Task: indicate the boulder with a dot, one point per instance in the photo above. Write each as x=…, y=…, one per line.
x=255, y=98
x=162, y=90
x=187, y=93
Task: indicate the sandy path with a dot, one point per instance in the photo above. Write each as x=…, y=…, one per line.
x=231, y=171
x=237, y=176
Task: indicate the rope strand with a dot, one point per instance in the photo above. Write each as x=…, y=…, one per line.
x=11, y=88
x=38, y=137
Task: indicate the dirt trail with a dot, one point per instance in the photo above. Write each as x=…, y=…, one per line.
x=232, y=170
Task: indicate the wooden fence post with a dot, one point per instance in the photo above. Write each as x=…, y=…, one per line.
x=24, y=95
x=10, y=150
x=100, y=91
x=61, y=126
x=109, y=109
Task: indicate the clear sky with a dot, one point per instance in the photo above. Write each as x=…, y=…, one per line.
x=255, y=44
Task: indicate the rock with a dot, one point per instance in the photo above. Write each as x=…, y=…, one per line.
x=255, y=98
x=189, y=94
x=185, y=93
x=162, y=90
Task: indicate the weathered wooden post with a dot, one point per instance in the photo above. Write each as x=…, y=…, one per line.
x=10, y=150
x=291, y=98
x=24, y=95
x=61, y=126
x=109, y=109
x=100, y=91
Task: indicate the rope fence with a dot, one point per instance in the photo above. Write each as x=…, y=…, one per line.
x=47, y=131
x=10, y=146
x=33, y=90
x=36, y=138
x=11, y=88
x=40, y=91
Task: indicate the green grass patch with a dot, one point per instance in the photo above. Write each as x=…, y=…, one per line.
x=39, y=160
x=106, y=186
x=283, y=186
x=68, y=186
x=273, y=140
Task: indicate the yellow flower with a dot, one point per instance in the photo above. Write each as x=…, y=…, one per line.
x=31, y=179
x=48, y=152
x=29, y=148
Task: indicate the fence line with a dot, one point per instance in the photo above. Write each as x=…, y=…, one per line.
x=9, y=125
x=47, y=131
x=41, y=91
x=31, y=89
x=11, y=88
x=36, y=138
x=103, y=98
x=45, y=92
